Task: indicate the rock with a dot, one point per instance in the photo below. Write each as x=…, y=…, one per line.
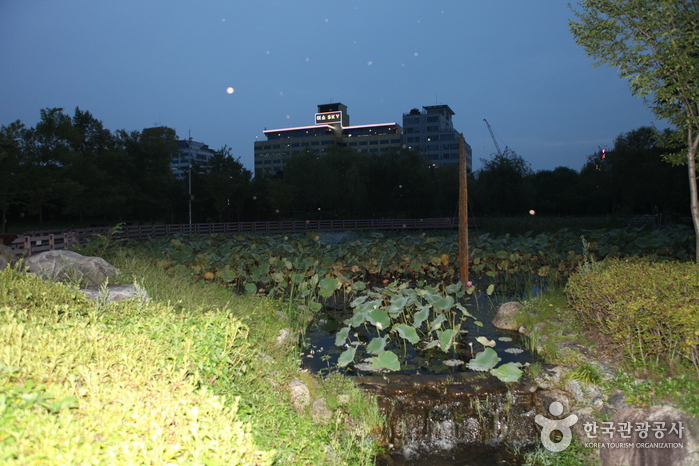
x=7, y=256
x=69, y=266
x=116, y=293
x=584, y=393
x=566, y=346
x=319, y=412
x=544, y=398
x=674, y=448
x=605, y=371
x=284, y=337
x=505, y=317
x=616, y=400
x=524, y=330
x=578, y=429
x=549, y=377
x=300, y=394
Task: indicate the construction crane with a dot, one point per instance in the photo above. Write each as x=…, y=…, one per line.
x=493, y=136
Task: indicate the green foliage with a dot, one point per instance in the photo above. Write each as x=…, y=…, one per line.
x=101, y=245
x=503, y=185
x=653, y=43
x=134, y=394
x=649, y=308
x=680, y=390
x=575, y=455
x=424, y=319
x=197, y=381
x=275, y=263
x=586, y=373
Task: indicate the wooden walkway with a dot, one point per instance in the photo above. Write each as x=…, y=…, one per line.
x=33, y=242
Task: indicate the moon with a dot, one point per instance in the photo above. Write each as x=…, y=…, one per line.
x=230, y=90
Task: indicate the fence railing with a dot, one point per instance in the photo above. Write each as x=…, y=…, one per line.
x=39, y=241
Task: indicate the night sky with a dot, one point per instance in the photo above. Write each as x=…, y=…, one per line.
x=136, y=64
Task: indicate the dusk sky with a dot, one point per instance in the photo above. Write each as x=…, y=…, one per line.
x=136, y=64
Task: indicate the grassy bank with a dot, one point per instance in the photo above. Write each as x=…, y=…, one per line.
x=195, y=376
x=648, y=371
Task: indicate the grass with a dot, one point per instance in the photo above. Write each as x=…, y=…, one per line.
x=192, y=377
x=551, y=322
x=577, y=454
x=643, y=385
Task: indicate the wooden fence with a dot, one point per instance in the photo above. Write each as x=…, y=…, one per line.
x=39, y=241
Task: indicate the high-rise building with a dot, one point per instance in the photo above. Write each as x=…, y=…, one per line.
x=432, y=132
x=198, y=152
x=331, y=127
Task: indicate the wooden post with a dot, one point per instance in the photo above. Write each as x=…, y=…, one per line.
x=463, y=212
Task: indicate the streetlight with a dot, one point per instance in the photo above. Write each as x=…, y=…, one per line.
x=189, y=145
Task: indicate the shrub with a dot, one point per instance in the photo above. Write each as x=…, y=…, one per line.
x=650, y=307
x=121, y=386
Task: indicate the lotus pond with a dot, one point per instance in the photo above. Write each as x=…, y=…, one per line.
x=414, y=331
x=403, y=309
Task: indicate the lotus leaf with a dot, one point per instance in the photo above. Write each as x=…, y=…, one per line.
x=485, y=342
x=328, y=286
x=347, y=356
x=379, y=318
x=386, y=360
x=509, y=372
x=437, y=323
x=484, y=361
x=420, y=316
x=446, y=338
x=341, y=336
x=398, y=304
x=376, y=345
x=407, y=333
x=444, y=303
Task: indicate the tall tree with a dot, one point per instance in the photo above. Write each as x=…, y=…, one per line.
x=11, y=159
x=654, y=44
x=641, y=181
x=227, y=183
x=153, y=186
x=502, y=186
x=49, y=151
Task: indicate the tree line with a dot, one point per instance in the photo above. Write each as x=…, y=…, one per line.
x=70, y=170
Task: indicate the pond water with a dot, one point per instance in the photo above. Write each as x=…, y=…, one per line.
x=320, y=352
x=437, y=413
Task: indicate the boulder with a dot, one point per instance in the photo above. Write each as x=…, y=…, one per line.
x=69, y=266
x=116, y=293
x=320, y=412
x=660, y=445
x=300, y=394
x=505, y=317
